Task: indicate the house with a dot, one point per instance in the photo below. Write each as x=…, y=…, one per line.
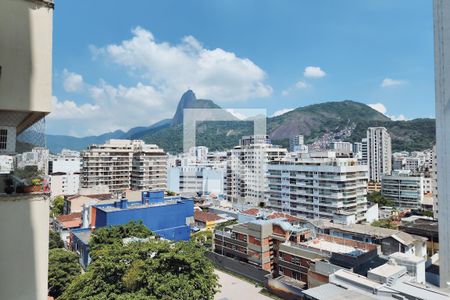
x=207, y=220
x=74, y=203
x=63, y=224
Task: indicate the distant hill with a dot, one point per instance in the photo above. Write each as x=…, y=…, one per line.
x=312, y=121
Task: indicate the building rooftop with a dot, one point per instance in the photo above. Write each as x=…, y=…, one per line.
x=330, y=291
x=139, y=205
x=407, y=257
x=366, y=229
x=83, y=235
x=328, y=246
x=388, y=270
x=203, y=216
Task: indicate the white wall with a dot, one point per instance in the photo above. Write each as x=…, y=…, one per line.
x=64, y=184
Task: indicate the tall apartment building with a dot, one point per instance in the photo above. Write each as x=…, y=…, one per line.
x=364, y=150
x=297, y=144
x=319, y=185
x=149, y=168
x=246, y=181
x=405, y=191
x=379, y=153
x=442, y=81
x=123, y=165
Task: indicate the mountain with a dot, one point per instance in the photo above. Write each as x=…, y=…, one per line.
x=188, y=100
x=58, y=142
x=345, y=120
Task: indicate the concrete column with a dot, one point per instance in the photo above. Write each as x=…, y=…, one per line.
x=442, y=78
x=24, y=246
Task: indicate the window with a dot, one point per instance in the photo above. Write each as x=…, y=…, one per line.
x=3, y=138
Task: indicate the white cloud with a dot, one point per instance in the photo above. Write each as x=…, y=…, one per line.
x=163, y=73
x=314, y=72
x=389, y=82
x=110, y=108
x=398, y=118
x=382, y=109
x=282, y=111
x=299, y=85
x=68, y=109
x=211, y=73
x=72, y=82
x=378, y=107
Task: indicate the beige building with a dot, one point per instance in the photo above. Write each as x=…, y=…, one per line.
x=25, y=97
x=124, y=164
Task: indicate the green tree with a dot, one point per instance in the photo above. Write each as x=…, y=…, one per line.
x=384, y=224
x=54, y=240
x=113, y=235
x=63, y=268
x=203, y=238
x=170, y=193
x=146, y=270
x=57, y=206
x=376, y=197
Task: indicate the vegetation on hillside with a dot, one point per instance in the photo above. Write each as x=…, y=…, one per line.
x=312, y=121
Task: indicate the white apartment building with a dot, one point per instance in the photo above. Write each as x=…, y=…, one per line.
x=357, y=149
x=64, y=184
x=199, y=153
x=123, y=165
x=319, y=185
x=427, y=185
x=6, y=164
x=247, y=164
x=379, y=153
x=64, y=164
x=297, y=144
x=405, y=191
x=64, y=173
x=195, y=179
x=37, y=157
x=342, y=146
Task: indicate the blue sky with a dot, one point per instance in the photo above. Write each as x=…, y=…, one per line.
x=122, y=64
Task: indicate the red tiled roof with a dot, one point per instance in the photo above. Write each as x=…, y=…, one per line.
x=70, y=221
x=71, y=224
x=69, y=217
x=290, y=218
x=204, y=217
x=251, y=211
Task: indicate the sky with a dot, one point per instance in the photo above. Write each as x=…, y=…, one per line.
x=121, y=64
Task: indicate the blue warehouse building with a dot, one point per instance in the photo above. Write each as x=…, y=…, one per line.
x=168, y=217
